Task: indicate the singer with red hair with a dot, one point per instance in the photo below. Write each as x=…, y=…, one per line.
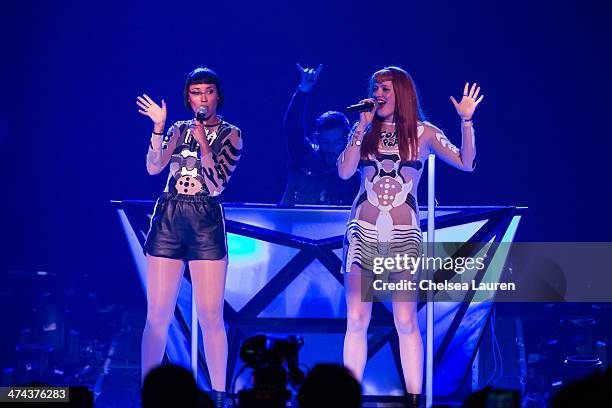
x=389, y=146
x=188, y=222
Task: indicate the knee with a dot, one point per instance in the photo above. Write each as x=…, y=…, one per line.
x=357, y=321
x=406, y=325
x=210, y=318
x=158, y=318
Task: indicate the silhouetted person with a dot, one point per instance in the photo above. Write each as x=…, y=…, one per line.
x=330, y=385
x=172, y=386
x=594, y=391
x=313, y=175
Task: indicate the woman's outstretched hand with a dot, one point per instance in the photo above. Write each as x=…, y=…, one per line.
x=469, y=101
x=151, y=109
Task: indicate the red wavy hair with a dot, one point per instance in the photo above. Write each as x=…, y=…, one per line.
x=405, y=115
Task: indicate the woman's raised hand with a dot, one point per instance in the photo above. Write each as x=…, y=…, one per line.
x=469, y=101
x=151, y=109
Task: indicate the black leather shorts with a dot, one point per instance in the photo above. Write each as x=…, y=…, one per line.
x=187, y=227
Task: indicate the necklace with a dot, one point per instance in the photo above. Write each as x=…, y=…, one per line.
x=389, y=123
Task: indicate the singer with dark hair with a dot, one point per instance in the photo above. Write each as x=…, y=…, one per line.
x=313, y=177
x=188, y=221
x=389, y=146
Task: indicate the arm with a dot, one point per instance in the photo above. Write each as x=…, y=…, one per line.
x=294, y=126
x=158, y=155
x=348, y=161
x=160, y=149
x=438, y=143
x=464, y=158
x=218, y=168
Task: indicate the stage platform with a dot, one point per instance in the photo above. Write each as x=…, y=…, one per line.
x=284, y=278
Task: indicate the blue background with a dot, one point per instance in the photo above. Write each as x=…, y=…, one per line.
x=71, y=138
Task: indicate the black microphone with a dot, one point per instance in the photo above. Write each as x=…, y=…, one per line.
x=362, y=107
x=200, y=116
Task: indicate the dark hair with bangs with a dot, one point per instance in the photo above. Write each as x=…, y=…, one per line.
x=199, y=76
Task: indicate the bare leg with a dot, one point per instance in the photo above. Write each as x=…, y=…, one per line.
x=208, y=279
x=163, y=282
x=410, y=344
x=358, y=314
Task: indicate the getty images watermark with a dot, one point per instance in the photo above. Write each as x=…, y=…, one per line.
x=407, y=268
x=483, y=271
